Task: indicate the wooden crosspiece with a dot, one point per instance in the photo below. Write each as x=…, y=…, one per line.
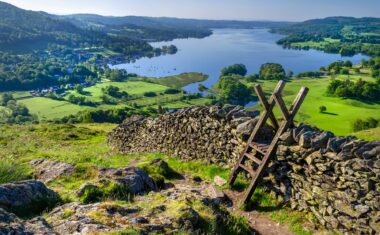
x=259, y=152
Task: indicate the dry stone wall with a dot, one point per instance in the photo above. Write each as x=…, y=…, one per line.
x=214, y=134
x=335, y=178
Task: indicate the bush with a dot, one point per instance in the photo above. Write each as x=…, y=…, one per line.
x=369, y=123
x=253, y=78
x=150, y=94
x=171, y=91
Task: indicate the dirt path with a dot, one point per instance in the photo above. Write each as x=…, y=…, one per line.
x=260, y=223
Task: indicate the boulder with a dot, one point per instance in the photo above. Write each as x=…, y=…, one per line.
x=134, y=179
x=27, y=197
x=48, y=170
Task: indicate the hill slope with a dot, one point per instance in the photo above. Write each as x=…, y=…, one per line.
x=18, y=25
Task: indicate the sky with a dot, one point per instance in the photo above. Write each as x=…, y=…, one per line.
x=289, y=10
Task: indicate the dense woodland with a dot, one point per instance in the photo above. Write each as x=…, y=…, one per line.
x=345, y=35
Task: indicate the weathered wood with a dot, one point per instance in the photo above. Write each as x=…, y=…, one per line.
x=265, y=104
x=263, y=148
x=262, y=120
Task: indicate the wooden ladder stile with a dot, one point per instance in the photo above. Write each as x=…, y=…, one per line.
x=255, y=148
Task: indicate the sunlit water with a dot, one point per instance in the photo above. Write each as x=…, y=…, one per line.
x=252, y=47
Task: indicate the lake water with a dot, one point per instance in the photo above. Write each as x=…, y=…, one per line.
x=252, y=47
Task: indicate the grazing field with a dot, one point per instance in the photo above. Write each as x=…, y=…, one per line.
x=371, y=134
x=94, y=93
x=340, y=112
x=48, y=109
x=176, y=81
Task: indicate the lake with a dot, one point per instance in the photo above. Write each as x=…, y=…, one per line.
x=252, y=47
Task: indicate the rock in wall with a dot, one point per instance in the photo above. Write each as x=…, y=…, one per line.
x=335, y=178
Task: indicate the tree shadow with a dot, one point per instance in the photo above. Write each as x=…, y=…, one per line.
x=85, y=93
x=329, y=113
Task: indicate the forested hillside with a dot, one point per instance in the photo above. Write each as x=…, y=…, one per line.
x=344, y=35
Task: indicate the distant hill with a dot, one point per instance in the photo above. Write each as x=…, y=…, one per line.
x=166, y=22
x=21, y=29
x=334, y=27
x=160, y=28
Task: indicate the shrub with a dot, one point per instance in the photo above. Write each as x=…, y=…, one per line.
x=171, y=91
x=359, y=124
x=150, y=94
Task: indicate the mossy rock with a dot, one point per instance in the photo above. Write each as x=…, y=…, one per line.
x=107, y=190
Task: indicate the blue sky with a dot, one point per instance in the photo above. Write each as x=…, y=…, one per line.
x=292, y=10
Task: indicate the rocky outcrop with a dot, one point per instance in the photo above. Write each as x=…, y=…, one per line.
x=48, y=170
x=11, y=224
x=26, y=197
x=136, y=180
x=212, y=133
x=335, y=178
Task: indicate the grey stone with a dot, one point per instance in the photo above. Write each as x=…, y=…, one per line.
x=219, y=181
x=25, y=194
x=136, y=180
x=48, y=170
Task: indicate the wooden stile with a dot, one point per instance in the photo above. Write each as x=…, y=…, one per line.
x=260, y=152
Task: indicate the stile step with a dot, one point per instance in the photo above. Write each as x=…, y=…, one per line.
x=253, y=158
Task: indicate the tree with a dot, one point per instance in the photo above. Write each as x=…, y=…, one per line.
x=253, y=78
x=345, y=71
x=272, y=71
x=290, y=74
x=348, y=64
x=232, y=91
x=322, y=109
x=236, y=69
x=150, y=94
x=5, y=98
x=117, y=75
x=202, y=88
x=79, y=88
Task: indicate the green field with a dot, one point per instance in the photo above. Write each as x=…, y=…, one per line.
x=94, y=93
x=176, y=81
x=340, y=112
x=47, y=109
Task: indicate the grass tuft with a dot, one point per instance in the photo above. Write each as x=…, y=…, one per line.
x=11, y=171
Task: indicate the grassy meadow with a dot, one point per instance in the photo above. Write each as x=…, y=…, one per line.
x=48, y=109
x=340, y=112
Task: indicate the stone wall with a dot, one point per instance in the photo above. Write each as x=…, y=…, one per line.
x=335, y=178
x=212, y=133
